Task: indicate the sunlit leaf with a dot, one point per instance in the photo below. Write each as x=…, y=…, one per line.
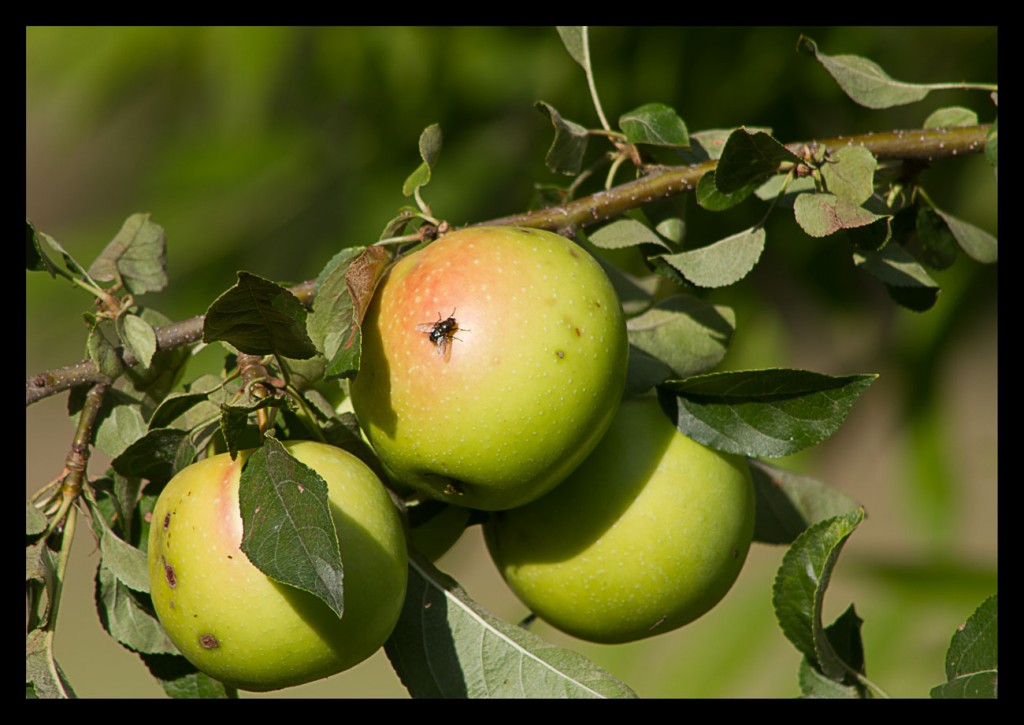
x=799, y=591
x=137, y=257
x=655, y=124
x=770, y=413
x=865, y=82
x=977, y=243
x=850, y=174
x=972, y=660
x=575, y=41
x=430, y=149
x=446, y=645
x=624, y=233
x=722, y=263
x=687, y=334
x=951, y=117
x=820, y=215
x=259, y=317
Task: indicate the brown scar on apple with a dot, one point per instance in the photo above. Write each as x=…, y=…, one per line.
x=208, y=641
x=169, y=575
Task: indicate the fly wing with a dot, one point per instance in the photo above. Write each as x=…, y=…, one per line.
x=426, y=327
x=444, y=348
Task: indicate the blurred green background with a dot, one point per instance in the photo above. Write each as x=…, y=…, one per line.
x=267, y=149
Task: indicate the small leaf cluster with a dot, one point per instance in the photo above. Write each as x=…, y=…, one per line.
x=838, y=188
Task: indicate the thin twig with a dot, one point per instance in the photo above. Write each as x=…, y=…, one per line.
x=921, y=144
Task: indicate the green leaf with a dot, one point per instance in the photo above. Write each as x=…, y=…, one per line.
x=972, y=660
x=865, y=82
x=782, y=184
x=644, y=372
x=624, y=233
x=125, y=618
x=288, y=532
x=820, y=215
x=708, y=145
x=709, y=197
x=977, y=243
x=446, y=645
x=344, y=290
x=939, y=248
x=770, y=413
x=239, y=434
x=788, y=503
x=157, y=455
x=102, y=351
x=136, y=257
x=749, y=158
x=44, y=678
x=39, y=253
x=813, y=684
x=569, y=145
x=906, y=280
x=574, y=39
x=430, y=149
x=398, y=224
x=120, y=424
x=333, y=326
x=235, y=429
x=259, y=317
x=635, y=293
x=951, y=117
x=121, y=559
x=655, y=124
x=181, y=680
x=672, y=228
x=687, y=334
x=176, y=405
x=200, y=403
x=138, y=336
x=850, y=174
x=35, y=521
x=41, y=583
x=845, y=638
x=725, y=262
x=36, y=259
x=150, y=385
x=799, y=591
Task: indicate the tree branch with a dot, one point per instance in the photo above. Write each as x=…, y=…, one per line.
x=920, y=144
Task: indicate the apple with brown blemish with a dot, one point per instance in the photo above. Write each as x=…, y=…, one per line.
x=493, y=360
x=239, y=626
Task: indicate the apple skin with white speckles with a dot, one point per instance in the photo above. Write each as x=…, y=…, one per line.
x=647, y=535
x=240, y=627
x=535, y=373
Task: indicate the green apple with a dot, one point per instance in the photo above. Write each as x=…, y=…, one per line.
x=237, y=625
x=493, y=360
x=647, y=535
